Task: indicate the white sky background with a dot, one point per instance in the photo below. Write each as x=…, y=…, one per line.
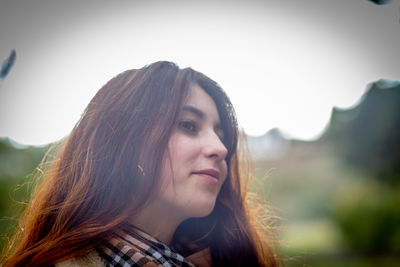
x=283, y=63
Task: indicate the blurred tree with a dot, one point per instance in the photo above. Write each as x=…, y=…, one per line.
x=367, y=138
x=368, y=135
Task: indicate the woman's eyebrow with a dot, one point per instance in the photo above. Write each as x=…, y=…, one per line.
x=195, y=111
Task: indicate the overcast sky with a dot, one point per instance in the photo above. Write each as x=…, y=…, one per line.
x=283, y=63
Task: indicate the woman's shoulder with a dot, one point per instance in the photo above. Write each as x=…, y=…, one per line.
x=92, y=259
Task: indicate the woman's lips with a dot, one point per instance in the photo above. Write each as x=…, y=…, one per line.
x=211, y=175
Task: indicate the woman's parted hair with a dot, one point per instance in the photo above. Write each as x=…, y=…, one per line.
x=109, y=168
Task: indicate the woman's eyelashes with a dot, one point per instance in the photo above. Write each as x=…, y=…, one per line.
x=188, y=126
x=192, y=127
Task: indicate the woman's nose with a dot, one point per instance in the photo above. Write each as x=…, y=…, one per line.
x=214, y=148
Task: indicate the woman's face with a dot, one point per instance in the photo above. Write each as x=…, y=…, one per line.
x=194, y=168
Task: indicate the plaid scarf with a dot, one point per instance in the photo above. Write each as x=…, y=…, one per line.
x=134, y=247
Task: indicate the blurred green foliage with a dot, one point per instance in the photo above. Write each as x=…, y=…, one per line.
x=17, y=165
x=370, y=220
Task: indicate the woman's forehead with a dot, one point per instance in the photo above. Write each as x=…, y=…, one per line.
x=200, y=103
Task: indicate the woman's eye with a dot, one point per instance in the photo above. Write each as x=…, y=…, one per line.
x=188, y=126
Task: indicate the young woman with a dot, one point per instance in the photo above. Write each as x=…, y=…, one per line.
x=148, y=177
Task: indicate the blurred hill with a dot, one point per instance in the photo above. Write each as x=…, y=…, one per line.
x=271, y=145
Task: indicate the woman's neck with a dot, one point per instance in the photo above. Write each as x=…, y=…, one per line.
x=158, y=221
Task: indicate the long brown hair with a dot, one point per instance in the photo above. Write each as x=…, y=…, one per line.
x=108, y=169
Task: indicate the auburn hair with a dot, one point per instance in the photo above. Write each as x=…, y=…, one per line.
x=96, y=184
